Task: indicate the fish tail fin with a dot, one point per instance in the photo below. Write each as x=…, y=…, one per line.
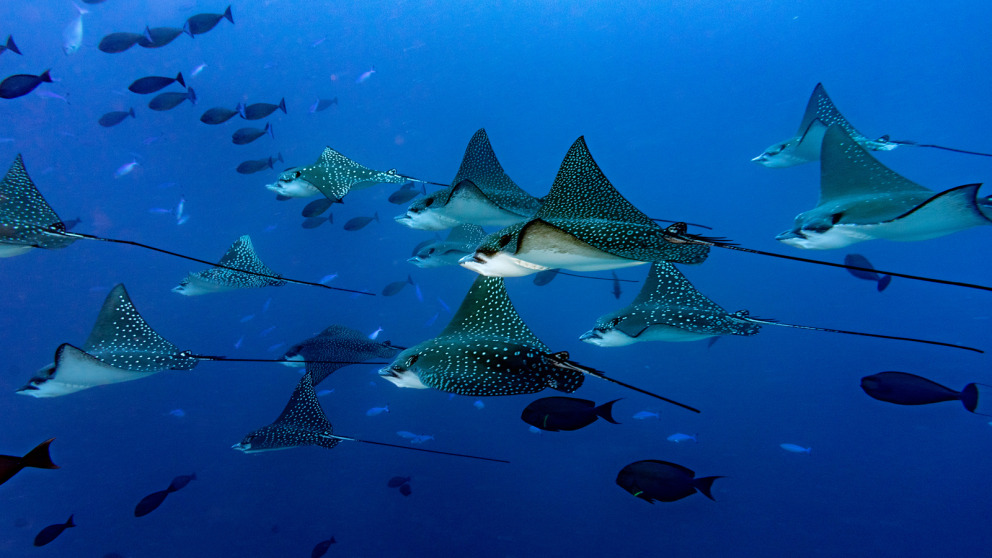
x=282, y=105
x=883, y=282
x=45, y=76
x=39, y=458
x=131, y=112
x=241, y=109
x=704, y=485
x=605, y=411
x=227, y=14
x=69, y=522
x=148, y=35
x=969, y=397
x=334, y=101
x=12, y=46
x=191, y=95
x=376, y=215
x=409, y=279
x=188, y=30
x=279, y=157
x=179, y=78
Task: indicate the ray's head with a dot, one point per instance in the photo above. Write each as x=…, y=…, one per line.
x=40, y=385
x=293, y=183
x=495, y=256
x=426, y=213
x=818, y=232
x=606, y=333
x=778, y=155
x=405, y=369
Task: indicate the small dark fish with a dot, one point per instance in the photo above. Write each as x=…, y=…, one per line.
x=317, y=207
x=566, y=413
x=405, y=193
x=18, y=85
x=181, y=481
x=544, y=277
x=12, y=47
x=257, y=165
x=119, y=42
x=396, y=286
x=218, y=115
x=902, y=388
x=397, y=482
x=858, y=260
x=313, y=222
x=201, y=23
x=320, y=104
x=159, y=36
x=652, y=480
x=405, y=490
x=616, y=286
x=152, y=84
x=322, y=547
x=261, y=110
x=356, y=223
x=48, y=534
x=245, y=136
x=115, y=117
x=171, y=100
x=38, y=458
x=150, y=503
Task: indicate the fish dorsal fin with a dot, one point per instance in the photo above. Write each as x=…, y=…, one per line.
x=822, y=111
x=123, y=339
x=466, y=234
x=847, y=169
x=665, y=285
x=481, y=167
x=25, y=216
x=241, y=255
x=303, y=412
x=582, y=191
x=488, y=312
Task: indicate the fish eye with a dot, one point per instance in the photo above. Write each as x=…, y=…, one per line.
x=504, y=240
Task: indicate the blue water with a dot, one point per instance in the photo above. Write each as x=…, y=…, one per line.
x=674, y=99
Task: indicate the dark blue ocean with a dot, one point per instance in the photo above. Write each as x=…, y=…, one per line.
x=673, y=99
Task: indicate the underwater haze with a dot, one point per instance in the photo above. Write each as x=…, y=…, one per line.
x=673, y=99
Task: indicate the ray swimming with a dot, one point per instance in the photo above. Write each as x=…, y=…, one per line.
x=861, y=199
x=304, y=423
x=820, y=114
x=121, y=347
x=487, y=349
x=335, y=347
x=241, y=255
x=27, y=221
x=334, y=175
x=460, y=242
x=669, y=308
x=480, y=194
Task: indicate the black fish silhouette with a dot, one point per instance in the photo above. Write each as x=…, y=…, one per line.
x=158, y=37
x=566, y=413
x=171, y=100
x=19, y=85
x=244, y=136
x=38, y=458
x=115, y=117
x=201, y=23
x=663, y=481
x=49, y=534
x=257, y=111
x=150, y=503
x=859, y=263
x=321, y=548
x=902, y=388
x=151, y=84
x=217, y=115
x=119, y=42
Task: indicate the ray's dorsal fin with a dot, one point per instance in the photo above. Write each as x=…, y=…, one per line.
x=488, y=312
x=242, y=256
x=582, y=191
x=303, y=411
x=820, y=110
x=847, y=169
x=123, y=339
x=481, y=167
x=25, y=217
x=666, y=285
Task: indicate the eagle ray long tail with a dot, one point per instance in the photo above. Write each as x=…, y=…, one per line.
x=915, y=144
x=599, y=278
x=412, y=179
x=878, y=335
x=214, y=358
x=206, y=262
x=567, y=364
x=418, y=449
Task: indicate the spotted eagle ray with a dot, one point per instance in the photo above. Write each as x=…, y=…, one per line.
x=339, y=345
x=861, y=199
x=121, y=347
x=481, y=194
x=487, y=349
x=821, y=114
x=584, y=224
x=669, y=308
x=27, y=221
x=304, y=423
x=460, y=242
x=333, y=175
x=241, y=255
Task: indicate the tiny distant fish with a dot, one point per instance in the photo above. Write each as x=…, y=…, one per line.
x=267, y=331
x=397, y=482
x=48, y=534
x=237, y=344
x=405, y=490
x=322, y=104
x=375, y=334
x=421, y=439
x=318, y=41
x=171, y=100
x=645, y=415
x=151, y=84
x=321, y=548
x=478, y=404
x=794, y=448
x=430, y=321
x=616, y=286
x=258, y=165
x=11, y=46
x=365, y=75
x=357, y=223
x=276, y=347
x=72, y=35
x=265, y=306
x=52, y=95
x=406, y=434
x=678, y=438
x=196, y=71
x=404, y=194
x=258, y=111
x=201, y=23
x=125, y=169
x=119, y=42
x=178, y=413
x=324, y=392
x=114, y=118
x=19, y=85
x=328, y=278
x=396, y=286
x=858, y=260
x=247, y=318
x=159, y=36
x=217, y=115
x=150, y=140
x=314, y=222
x=180, y=212
x=444, y=305
x=377, y=411
x=244, y=136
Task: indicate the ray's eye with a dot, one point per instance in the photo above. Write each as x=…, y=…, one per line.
x=297, y=174
x=428, y=202
x=817, y=227
x=412, y=360
x=430, y=251
x=614, y=322
x=504, y=240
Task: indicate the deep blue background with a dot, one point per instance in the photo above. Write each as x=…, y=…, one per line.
x=673, y=99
